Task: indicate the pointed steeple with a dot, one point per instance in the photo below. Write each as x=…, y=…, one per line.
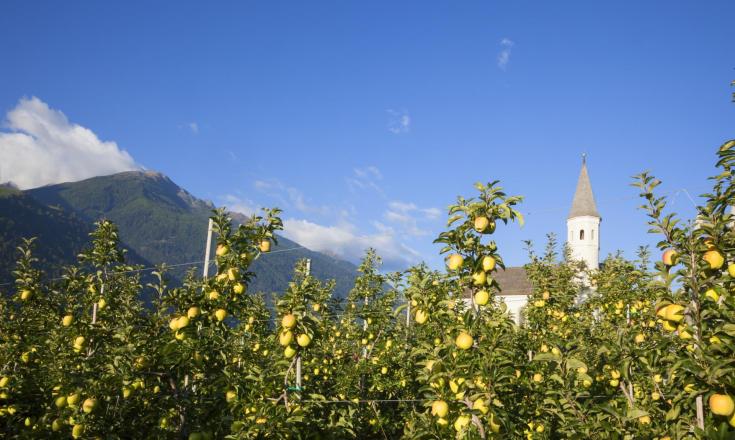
x=584, y=201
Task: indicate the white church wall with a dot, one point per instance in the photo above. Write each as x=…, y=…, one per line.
x=583, y=236
x=514, y=304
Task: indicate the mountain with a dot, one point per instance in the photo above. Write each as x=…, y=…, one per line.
x=61, y=235
x=158, y=221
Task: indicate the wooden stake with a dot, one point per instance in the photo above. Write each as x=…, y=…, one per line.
x=208, y=249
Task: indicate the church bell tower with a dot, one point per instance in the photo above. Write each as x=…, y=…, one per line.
x=583, y=223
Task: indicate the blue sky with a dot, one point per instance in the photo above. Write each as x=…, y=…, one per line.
x=364, y=120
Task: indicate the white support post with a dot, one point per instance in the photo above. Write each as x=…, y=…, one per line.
x=408, y=312
x=95, y=306
x=298, y=373
x=208, y=250
x=700, y=412
x=298, y=358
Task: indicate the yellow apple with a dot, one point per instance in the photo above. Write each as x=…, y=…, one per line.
x=538, y=377
x=289, y=352
x=79, y=341
x=669, y=257
x=4, y=381
x=673, y=312
x=731, y=270
x=25, y=294
x=712, y=294
x=222, y=250
x=265, y=246
x=668, y=326
x=479, y=405
x=89, y=405
x=220, y=314
x=461, y=423
x=57, y=424
x=285, y=338
x=303, y=340
x=288, y=321
x=60, y=401
x=483, y=224
x=439, y=408
x=238, y=288
x=421, y=316
x=72, y=399
x=454, y=261
x=193, y=312
x=183, y=322
x=479, y=278
x=482, y=297
x=721, y=404
x=213, y=295
x=714, y=258
x=464, y=340
x=67, y=320
x=230, y=396
x=494, y=425
x=639, y=338
x=101, y=304
x=488, y=263
x=233, y=274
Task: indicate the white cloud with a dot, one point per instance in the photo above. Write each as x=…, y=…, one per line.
x=504, y=55
x=290, y=196
x=344, y=242
x=194, y=127
x=39, y=146
x=408, y=216
x=399, y=122
x=365, y=178
x=238, y=204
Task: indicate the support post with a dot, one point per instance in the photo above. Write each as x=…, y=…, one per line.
x=408, y=312
x=208, y=250
x=700, y=412
x=298, y=358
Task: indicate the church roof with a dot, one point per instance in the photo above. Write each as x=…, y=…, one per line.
x=584, y=200
x=512, y=281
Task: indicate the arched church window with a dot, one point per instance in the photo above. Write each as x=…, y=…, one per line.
x=581, y=234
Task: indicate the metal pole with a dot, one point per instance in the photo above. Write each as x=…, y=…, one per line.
x=207, y=251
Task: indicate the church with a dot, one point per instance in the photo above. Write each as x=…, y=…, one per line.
x=583, y=238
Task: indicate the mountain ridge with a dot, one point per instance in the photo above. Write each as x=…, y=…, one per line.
x=161, y=222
